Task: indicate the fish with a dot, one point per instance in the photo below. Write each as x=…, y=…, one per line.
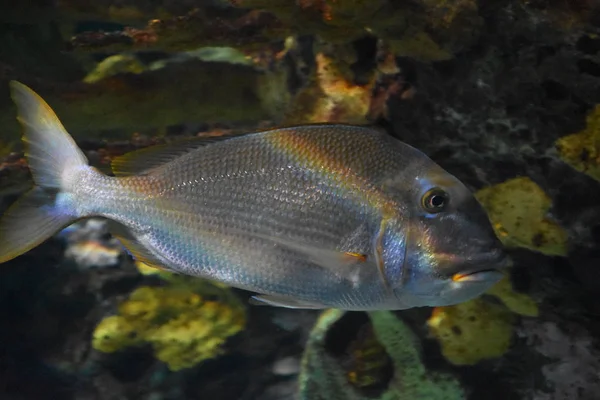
x=310, y=217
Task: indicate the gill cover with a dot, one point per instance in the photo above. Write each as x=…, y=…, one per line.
x=389, y=248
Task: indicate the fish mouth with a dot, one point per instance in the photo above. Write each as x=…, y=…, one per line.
x=482, y=276
x=494, y=261
x=485, y=268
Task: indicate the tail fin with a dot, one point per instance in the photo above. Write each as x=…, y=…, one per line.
x=52, y=156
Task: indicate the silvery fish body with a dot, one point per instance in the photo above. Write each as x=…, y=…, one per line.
x=312, y=216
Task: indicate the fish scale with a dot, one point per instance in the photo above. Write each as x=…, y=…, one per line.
x=240, y=195
x=312, y=216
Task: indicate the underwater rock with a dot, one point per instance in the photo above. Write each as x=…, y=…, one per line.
x=571, y=362
x=90, y=244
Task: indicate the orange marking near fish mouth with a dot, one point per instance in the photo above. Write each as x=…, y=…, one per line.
x=478, y=276
x=460, y=277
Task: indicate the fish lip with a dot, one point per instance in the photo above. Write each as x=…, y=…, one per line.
x=465, y=266
x=481, y=276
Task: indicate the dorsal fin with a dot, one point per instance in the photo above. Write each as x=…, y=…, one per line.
x=139, y=162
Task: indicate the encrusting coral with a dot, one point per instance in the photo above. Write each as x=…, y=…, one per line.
x=186, y=321
x=518, y=211
x=424, y=30
x=480, y=329
x=582, y=150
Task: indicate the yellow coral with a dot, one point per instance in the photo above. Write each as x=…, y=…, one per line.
x=582, y=150
x=433, y=30
x=518, y=211
x=518, y=303
x=114, y=333
x=6, y=148
x=478, y=329
x=113, y=65
x=420, y=46
x=186, y=322
x=472, y=331
x=331, y=97
x=146, y=269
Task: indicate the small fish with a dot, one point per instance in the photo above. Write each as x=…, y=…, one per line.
x=315, y=216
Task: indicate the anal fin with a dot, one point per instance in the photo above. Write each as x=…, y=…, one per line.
x=130, y=242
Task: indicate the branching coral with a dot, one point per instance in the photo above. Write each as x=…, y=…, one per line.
x=582, y=150
x=186, y=322
x=322, y=377
x=518, y=210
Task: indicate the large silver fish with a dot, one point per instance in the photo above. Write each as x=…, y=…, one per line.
x=313, y=216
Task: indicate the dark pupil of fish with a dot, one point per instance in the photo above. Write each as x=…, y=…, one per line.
x=437, y=201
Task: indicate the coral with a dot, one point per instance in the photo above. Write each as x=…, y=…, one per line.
x=114, y=65
x=191, y=91
x=194, y=29
x=480, y=329
x=419, y=45
x=322, y=377
x=130, y=11
x=330, y=97
x=472, y=331
x=186, y=322
x=518, y=211
x=519, y=303
x=426, y=30
x=145, y=269
x=582, y=150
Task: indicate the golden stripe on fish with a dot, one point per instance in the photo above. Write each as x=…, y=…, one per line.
x=305, y=152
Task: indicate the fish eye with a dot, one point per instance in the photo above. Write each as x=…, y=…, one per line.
x=435, y=200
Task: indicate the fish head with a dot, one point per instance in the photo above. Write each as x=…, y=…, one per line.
x=452, y=253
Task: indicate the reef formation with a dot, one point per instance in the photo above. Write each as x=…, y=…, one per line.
x=503, y=94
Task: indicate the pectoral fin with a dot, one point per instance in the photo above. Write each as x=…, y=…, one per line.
x=332, y=259
x=280, y=301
